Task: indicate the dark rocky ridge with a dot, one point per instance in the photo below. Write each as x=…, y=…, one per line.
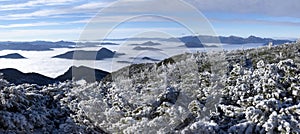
x=77, y=73
x=17, y=77
x=82, y=72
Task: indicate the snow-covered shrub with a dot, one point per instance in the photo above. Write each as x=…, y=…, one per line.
x=34, y=109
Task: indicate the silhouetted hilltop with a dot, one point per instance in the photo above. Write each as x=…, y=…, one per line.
x=82, y=72
x=77, y=73
x=17, y=77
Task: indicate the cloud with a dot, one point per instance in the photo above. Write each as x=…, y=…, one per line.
x=289, y=8
x=33, y=3
x=40, y=34
x=83, y=9
x=39, y=13
x=68, y=12
x=96, y=34
x=94, y=5
x=29, y=25
x=255, y=21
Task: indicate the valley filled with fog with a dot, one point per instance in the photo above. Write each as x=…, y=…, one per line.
x=135, y=52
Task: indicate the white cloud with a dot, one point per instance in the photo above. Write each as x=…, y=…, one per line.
x=40, y=34
x=255, y=21
x=33, y=3
x=263, y=7
x=87, y=8
x=29, y=25
x=39, y=13
x=94, y=5
x=102, y=33
x=125, y=9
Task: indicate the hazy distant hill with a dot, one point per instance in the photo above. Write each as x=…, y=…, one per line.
x=148, y=43
x=13, y=56
x=189, y=40
x=230, y=40
x=93, y=44
x=198, y=41
x=35, y=45
x=146, y=48
x=211, y=39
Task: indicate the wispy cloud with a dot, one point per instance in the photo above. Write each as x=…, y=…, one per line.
x=32, y=3
x=71, y=14
x=29, y=25
x=93, y=5
x=263, y=7
x=255, y=21
x=83, y=9
x=39, y=34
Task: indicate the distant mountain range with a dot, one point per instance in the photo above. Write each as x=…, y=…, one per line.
x=148, y=43
x=227, y=40
x=103, y=53
x=35, y=45
x=146, y=48
x=211, y=39
x=13, y=56
x=93, y=44
x=17, y=77
x=202, y=40
x=189, y=40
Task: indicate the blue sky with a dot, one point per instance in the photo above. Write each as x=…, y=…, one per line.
x=55, y=20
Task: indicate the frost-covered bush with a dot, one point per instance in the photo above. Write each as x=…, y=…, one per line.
x=34, y=109
x=266, y=92
x=255, y=97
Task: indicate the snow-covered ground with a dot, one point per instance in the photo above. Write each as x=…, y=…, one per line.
x=250, y=91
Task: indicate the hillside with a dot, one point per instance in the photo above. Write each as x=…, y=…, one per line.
x=82, y=72
x=242, y=91
x=17, y=77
